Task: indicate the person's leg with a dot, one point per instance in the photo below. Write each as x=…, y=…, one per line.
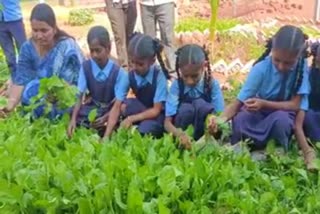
x=185, y=116
x=244, y=126
x=7, y=45
x=18, y=32
x=118, y=24
x=131, y=19
x=132, y=106
x=165, y=15
x=282, y=127
x=148, y=20
x=202, y=109
x=153, y=127
x=311, y=125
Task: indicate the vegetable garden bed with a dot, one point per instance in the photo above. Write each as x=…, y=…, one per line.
x=42, y=171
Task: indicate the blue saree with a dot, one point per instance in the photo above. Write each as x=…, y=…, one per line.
x=63, y=60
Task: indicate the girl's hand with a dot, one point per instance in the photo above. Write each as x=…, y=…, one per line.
x=185, y=141
x=212, y=125
x=86, y=99
x=71, y=128
x=254, y=104
x=127, y=123
x=100, y=122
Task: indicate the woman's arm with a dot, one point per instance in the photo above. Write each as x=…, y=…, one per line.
x=23, y=74
x=14, y=96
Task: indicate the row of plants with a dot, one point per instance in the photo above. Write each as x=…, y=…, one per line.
x=230, y=45
x=194, y=23
x=311, y=31
x=80, y=17
x=227, y=46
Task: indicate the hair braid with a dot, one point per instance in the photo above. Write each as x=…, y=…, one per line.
x=180, y=81
x=301, y=65
x=158, y=47
x=207, y=76
x=299, y=77
x=314, y=78
x=266, y=53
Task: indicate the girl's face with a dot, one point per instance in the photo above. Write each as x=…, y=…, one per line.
x=140, y=66
x=99, y=53
x=42, y=33
x=284, y=60
x=191, y=74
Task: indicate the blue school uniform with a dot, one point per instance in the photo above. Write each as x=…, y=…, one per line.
x=192, y=106
x=104, y=87
x=148, y=90
x=311, y=123
x=265, y=82
x=12, y=32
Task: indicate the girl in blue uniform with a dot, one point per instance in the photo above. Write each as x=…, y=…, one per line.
x=308, y=122
x=149, y=85
x=105, y=82
x=276, y=87
x=193, y=96
x=312, y=117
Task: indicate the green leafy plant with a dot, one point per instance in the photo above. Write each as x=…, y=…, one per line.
x=4, y=71
x=55, y=91
x=92, y=115
x=43, y=171
x=193, y=24
x=80, y=17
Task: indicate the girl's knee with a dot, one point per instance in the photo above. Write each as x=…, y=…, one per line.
x=283, y=121
x=151, y=127
x=185, y=116
x=203, y=107
x=123, y=108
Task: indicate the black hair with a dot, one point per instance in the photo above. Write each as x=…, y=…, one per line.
x=314, y=78
x=266, y=53
x=293, y=39
x=193, y=54
x=99, y=33
x=44, y=13
x=144, y=46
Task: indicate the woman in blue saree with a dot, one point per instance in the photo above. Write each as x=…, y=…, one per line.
x=49, y=52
